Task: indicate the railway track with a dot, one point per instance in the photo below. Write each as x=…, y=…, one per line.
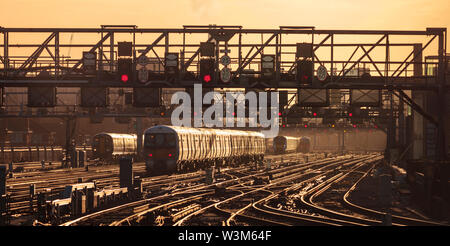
x=55, y=181
x=176, y=192
x=336, y=189
x=254, y=212
x=135, y=210
x=306, y=198
x=248, y=197
x=27, y=159
x=104, y=176
x=397, y=219
x=116, y=214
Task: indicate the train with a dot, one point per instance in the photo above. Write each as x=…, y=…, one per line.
x=173, y=149
x=304, y=145
x=110, y=147
x=287, y=144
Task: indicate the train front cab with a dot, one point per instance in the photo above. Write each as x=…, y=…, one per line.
x=279, y=144
x=102, y=147
x=160, y=152
x=304, y=145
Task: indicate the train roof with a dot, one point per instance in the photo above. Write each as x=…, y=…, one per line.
x=117, y=135
x=191, y=130
x=287, y=137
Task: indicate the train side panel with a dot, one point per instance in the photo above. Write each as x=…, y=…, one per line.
x=287, y=144
x=111, y=146
x=201, y=148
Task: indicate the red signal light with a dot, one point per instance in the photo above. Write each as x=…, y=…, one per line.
x=306, y=125
x=207, y=78
x=150, y=155
x=124, y=78
x=170, y=155
x=350, y=114
x=315, y=114
x=279, y=113
x=354, y=126
x=284, y=125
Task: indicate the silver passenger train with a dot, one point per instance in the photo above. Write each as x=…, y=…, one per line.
x=286, y=144
x=110, y=146
x=172, y=149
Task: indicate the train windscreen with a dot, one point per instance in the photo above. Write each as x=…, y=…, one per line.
x=158, y=140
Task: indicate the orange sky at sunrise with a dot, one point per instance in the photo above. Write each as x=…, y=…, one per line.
x=323, y=14
x=266, y=14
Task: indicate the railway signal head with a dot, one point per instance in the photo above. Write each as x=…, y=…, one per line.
x=89, y=62
x=267, y=67
x=125, y=69
x=305, y=72
x=171, y=66
x=207, y=69
x=207, y=78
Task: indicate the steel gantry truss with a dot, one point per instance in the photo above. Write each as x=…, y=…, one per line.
x=245, y=47
x=18, y=71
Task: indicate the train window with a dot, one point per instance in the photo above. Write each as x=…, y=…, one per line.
x=171, y=140
x=149, y=140
x=160, y=140
x=153, y=140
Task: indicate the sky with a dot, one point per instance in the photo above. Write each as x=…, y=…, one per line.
x=267, y=14
x=323, y=14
